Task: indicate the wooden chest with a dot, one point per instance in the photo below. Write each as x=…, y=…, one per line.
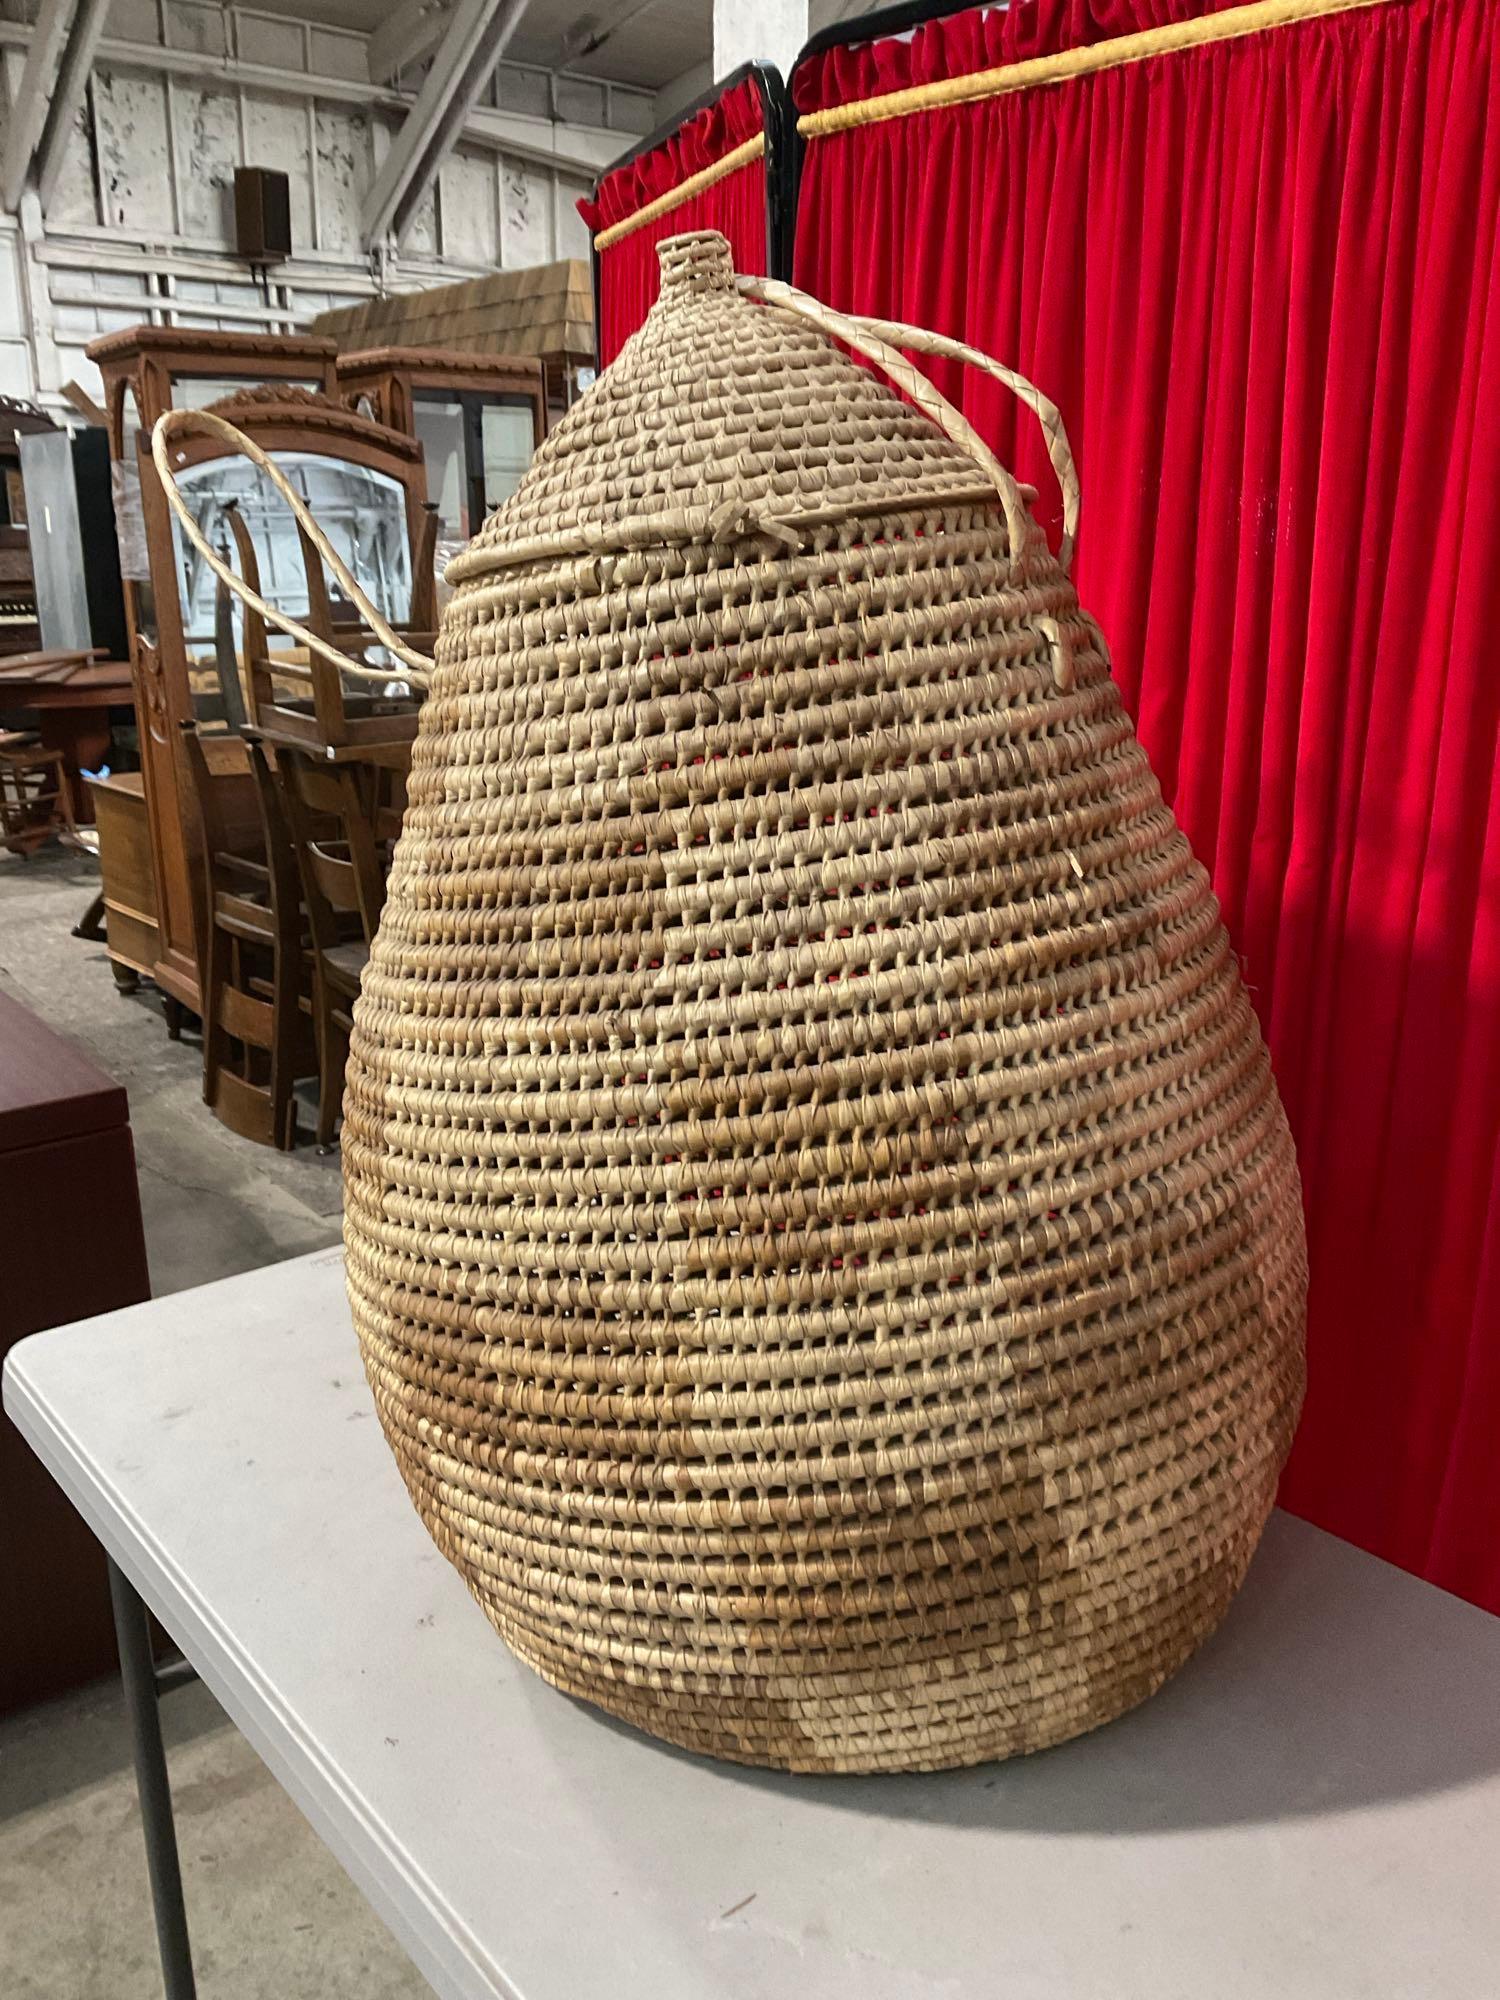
x=73, y=1246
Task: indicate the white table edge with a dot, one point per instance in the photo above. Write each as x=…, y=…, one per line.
x=448, y=1955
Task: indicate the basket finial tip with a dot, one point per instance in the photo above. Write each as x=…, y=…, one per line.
x=700, y=260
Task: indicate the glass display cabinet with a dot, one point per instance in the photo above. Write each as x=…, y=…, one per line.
x=479, y=417
x=191, y=661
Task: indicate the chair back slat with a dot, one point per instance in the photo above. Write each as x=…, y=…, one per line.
x=335, y=876
x=331, y=811
x=259, y=688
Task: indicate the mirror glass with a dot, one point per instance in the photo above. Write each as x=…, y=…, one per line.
x=440, y=427
x=508, y=444
x=362, y=512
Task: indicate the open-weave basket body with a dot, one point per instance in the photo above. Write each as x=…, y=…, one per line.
x=823, y=1235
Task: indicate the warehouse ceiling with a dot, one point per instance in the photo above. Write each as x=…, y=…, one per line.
x=649, y=43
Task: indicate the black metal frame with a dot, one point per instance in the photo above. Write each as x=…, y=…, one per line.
x=843, y=34
x=145, y=1683
x=776, y=116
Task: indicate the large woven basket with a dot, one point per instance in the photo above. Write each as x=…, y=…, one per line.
x=824, y=1238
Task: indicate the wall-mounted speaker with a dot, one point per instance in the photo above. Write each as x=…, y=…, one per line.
x=262, y=215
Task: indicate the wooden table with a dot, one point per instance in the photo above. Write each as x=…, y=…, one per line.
x=1309, y=1811
x=71, y=695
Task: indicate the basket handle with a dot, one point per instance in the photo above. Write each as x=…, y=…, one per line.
x=418, y=665
x=880, y=341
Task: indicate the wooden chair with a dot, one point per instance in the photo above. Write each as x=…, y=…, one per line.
x=256, y=1035
x=331, y=811
x=35, y=801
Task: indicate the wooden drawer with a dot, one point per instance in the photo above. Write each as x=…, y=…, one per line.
x=125, y=865
x=133, y=940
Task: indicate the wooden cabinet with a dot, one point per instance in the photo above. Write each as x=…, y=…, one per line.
x=147, y=371
x=478, y=417
x=70, y=1222
x=282, y=392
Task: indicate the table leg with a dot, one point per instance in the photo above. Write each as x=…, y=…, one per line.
x=138, y=1672
x=83, y=736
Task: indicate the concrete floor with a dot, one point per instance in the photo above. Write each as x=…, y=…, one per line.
x=270, y=1911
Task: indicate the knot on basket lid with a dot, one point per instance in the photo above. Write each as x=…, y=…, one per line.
x=700, y=260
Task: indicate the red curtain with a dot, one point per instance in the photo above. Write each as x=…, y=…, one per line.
x=1258, y=281
x=628, y=271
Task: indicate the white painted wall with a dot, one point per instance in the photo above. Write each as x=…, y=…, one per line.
x=758, y=30
x=141, y=224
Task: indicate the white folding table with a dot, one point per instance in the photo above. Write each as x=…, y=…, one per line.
x=1310, y=1811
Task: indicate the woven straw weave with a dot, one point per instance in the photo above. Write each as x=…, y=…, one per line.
x=823, y=1235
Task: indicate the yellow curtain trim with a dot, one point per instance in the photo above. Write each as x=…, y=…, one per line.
x=694, y=184
x=1228, y=26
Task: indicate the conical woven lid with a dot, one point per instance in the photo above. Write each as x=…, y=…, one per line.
x=720, y=416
